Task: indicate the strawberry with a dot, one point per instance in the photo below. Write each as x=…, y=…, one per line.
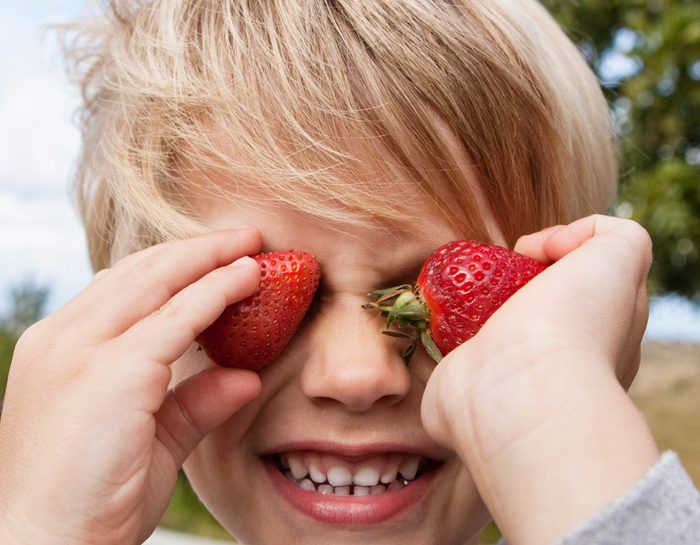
x=459, y=286
x=252, y=333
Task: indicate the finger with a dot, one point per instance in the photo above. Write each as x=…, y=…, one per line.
x=129, y=260
x=106, y=277
x=612, y=245
x=631, y=357
x=627, y=376
x=99, y=275
x=201, y=403
x=165, y=335
x=126, y=294
x=574, y=235
x=533, y=245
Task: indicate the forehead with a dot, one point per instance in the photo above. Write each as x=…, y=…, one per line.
x=340, y=246
x=365, y=176
x=358, y=240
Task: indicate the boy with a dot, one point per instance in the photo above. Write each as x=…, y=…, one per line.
x=366, y=133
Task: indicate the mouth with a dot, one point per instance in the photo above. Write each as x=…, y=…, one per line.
x=357, y=489
x=331, y=475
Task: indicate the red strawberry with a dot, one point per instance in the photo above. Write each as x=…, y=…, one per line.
x=459, y=286
x=253, y=332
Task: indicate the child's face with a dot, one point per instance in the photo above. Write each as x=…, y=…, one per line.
x=340, y=398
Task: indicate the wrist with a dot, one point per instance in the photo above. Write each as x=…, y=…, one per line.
x=18, y=530
x=12, y=533
x=549, y=445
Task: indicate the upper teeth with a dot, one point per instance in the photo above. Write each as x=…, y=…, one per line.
x=337, y=476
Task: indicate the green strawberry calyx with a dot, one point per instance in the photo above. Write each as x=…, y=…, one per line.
x=407, y=317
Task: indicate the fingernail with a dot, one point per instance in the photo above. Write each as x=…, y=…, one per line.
x=243, y=261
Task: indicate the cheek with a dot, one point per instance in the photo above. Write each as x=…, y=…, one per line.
x=224, y=468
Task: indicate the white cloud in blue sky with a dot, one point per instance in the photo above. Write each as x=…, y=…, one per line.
x=673, y=318
x=40, y=235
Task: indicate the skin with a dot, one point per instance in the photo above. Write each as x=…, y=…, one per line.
x=566, y=439
x=97, y=378
x=339, y=375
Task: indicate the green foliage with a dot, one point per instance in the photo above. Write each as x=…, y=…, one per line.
x=27, y=305
x=490, y=535
x=187, y=514
x=655, y=100
x=666, y=199
x=7, y=346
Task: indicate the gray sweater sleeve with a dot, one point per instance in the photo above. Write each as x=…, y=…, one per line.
x=662, y=508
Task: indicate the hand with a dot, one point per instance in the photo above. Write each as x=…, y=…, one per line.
x=534, y=404
x=91, y=438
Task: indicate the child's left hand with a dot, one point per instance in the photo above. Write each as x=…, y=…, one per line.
x=535, y=404
x=93, y=432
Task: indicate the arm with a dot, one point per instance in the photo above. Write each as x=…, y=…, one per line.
x=91, y=436
x=535, y=404
x=663, y=507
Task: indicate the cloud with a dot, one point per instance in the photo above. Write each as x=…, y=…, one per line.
x=674, y=318
x=40, y=236
x=38, y=143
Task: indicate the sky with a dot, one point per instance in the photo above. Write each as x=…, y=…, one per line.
x=40, y=235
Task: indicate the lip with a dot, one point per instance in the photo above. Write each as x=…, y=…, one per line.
x=357, y=451
x=352, y=510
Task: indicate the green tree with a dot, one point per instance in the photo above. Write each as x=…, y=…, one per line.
x=27, y=305
x=647, y=55
x=7, y=346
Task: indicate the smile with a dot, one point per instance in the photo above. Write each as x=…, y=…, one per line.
x=351, y=489
x=326, y=474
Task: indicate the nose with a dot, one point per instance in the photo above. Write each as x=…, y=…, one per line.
x=351, y=362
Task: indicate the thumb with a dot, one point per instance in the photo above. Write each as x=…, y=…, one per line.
x=201, y=403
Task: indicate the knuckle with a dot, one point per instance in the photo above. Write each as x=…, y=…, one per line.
x=143, y=378
x=147, y=264
x=124, y=261
x=38, y=349
x=175, y=311
x=30, y=338
x=100, y=274
x=173, y=308
x=638, y=233
x=640, y=240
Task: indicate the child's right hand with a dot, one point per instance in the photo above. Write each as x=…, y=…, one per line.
x=91, y=438
x=535, y=404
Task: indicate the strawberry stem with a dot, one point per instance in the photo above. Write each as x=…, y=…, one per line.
x=403, y=308
x=384, y=309
x=379, y=294
x=430, y=346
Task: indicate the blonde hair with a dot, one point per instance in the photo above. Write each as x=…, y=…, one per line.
x=279, y=96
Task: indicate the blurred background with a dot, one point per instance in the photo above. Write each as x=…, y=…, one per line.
x=647, y=56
